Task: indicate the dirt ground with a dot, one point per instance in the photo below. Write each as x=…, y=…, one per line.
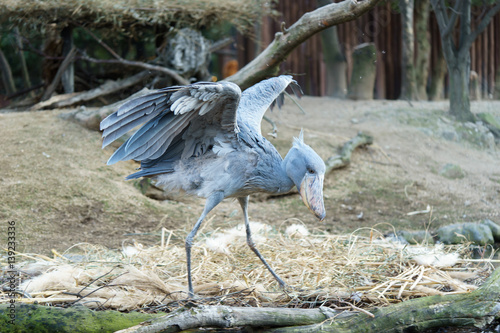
x=56, y=186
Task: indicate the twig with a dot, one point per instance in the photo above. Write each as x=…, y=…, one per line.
x=296, y=103
x=120, y=60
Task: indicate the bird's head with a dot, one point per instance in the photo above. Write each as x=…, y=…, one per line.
x=307, y=170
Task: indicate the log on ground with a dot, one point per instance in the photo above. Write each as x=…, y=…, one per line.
x=77, y=319
x=475, y=309
x=343, y=158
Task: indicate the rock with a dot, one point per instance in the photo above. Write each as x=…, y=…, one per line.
x=446, y=130
x=477, y=233
x=452, y=171
x=416, y=237
x=477, y=134
x=491, y=122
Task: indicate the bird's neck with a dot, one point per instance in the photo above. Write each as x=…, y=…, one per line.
x=283, y=174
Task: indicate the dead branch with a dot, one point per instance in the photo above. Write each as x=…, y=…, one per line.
x=226, y=317
x=109, y=87
x=343, y=158
x=92, y=118
x=220, y=44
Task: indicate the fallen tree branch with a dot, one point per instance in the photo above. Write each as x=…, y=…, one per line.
x=230, y=317
x=109, y=87
x=92, y=118
x=343, y=158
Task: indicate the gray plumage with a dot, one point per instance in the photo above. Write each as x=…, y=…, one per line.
x=205, y=139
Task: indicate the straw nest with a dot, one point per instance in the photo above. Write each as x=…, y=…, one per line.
x=124, y=14
x=359, y=270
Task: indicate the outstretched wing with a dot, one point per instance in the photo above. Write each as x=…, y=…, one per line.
x=258, y=98
x=209, y=107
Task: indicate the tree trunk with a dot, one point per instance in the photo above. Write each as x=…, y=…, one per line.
x=457, y=50
x=423, y=52
x=437, y=78
x=497, y=84
x=363, y=72
x=459, y=74
x=408, y=79
x=335, y=62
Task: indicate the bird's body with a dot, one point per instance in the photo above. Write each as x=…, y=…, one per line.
x=210, y=172
x=205, y=139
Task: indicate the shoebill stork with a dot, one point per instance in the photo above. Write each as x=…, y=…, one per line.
x=205, y=139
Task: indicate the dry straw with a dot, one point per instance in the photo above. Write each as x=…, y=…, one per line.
x=359, y=270
x=121, y=15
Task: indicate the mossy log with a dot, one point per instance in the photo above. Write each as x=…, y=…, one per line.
x=343, y=158
x=24, y=318
x=475, y=309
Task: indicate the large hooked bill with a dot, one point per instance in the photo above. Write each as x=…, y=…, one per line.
x=311, y=191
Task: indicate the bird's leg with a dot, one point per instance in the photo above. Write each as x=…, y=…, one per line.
x=244, y=206
x=211, y=202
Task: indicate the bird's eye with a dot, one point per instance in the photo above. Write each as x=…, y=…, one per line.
x=311, y=171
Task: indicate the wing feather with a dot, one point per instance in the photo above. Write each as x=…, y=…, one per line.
x=258, y=98
x=168, y=112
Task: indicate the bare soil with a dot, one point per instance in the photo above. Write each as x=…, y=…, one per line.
x=56, y=186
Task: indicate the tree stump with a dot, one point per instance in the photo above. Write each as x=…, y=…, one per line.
x=474, y=86
x=363, y=72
